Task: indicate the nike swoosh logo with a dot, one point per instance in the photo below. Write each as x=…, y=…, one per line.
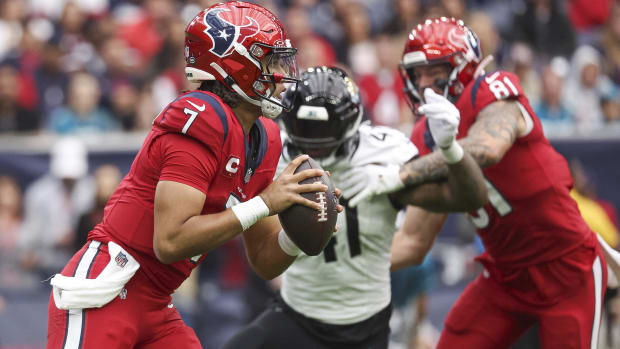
x=201, y=108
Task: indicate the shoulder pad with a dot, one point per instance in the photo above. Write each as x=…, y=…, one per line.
x=492, y=87
x=382, y=145
x=197, y=114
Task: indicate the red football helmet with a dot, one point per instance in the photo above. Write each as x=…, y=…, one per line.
x=441, y=41
x=245, y=47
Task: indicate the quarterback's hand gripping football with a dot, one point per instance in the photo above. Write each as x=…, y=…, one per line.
x=443, y=122
x=361, y=183
x=284, y=191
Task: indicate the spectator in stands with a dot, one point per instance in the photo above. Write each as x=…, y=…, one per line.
x=543, y=24
x=119, y=68
x=405, y=14
x=313, y=50
x=585, y=88
x=142, y=28
x=601, y=220
x=13, y=116
x=51, y=79
x=381, y=89
x=587, y=17
x=609, y=104
x=521, y=62
x=173, y=34
x=80, y=53
x=556, y=118
x=410, y=288
x=611, y=42
x=584, y=193
x=124, y=104
x=359, y=50
x=107, y=177
x=52, y=206
x=454, y=8
x=11, y=218
x=221, y=306
x=482, y=24
x=11, y=13
x=82, y=112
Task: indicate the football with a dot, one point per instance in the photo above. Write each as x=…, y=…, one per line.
x=310, y=229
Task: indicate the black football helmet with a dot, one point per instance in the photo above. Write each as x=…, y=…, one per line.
x=326, y=114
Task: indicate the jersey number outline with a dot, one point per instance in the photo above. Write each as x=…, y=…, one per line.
x=353, y=228
x=353, y=235
x=192, y=116
x=497, y=201
x=499, y=89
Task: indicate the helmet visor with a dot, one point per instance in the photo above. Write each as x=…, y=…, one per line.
x=279, y=73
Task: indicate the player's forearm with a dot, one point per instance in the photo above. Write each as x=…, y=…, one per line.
x=198, y=235
x=432, y=167
x=425, y=169
x=468, y=191
x=405, y=252
x=484, y=154
x=263, y=249
x=415, y=238
x=463, y=190
x=268, y=260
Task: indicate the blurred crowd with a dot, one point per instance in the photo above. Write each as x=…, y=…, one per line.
x=77, y=66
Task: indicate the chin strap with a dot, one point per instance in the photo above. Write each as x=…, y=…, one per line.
x=269, y=107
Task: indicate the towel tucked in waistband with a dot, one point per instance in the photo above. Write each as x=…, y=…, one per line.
x=80, y=293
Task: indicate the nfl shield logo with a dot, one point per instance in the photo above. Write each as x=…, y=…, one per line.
x=121, y=260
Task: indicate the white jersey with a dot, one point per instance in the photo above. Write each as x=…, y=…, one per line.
x=350, y=280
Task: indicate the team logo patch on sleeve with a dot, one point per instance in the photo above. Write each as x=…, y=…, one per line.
x=121, y=259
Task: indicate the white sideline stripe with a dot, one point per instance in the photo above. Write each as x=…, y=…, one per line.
x=74, y=323
x=598, y=285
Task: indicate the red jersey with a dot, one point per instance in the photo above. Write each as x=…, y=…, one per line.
x=530, y=217
x=198, y=141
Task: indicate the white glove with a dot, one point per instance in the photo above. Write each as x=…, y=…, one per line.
x=443, y=122
x=361, y=183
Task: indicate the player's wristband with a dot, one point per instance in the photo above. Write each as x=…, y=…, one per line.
x=251, y=211
x=287, y=245
x=452, y=154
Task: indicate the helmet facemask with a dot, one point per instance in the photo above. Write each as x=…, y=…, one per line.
x=325, y=116
x=278, y=66
x=412, y=89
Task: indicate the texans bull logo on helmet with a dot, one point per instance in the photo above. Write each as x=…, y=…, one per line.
x=467, y=40
x=225, y=34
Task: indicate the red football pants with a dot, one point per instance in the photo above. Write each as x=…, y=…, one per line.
x=139, y=317
x=488, y=316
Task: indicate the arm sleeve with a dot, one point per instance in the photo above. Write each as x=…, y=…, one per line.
x=187, y=161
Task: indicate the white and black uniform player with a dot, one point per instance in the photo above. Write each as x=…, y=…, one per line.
x=340, y=298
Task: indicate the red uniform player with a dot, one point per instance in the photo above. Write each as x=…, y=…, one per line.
x=194, y=185
x=542, y=263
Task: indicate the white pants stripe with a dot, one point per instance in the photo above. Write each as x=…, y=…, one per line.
x=597, y=272
x=75, y=317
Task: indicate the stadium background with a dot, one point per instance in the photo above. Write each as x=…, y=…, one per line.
x=100, y=70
